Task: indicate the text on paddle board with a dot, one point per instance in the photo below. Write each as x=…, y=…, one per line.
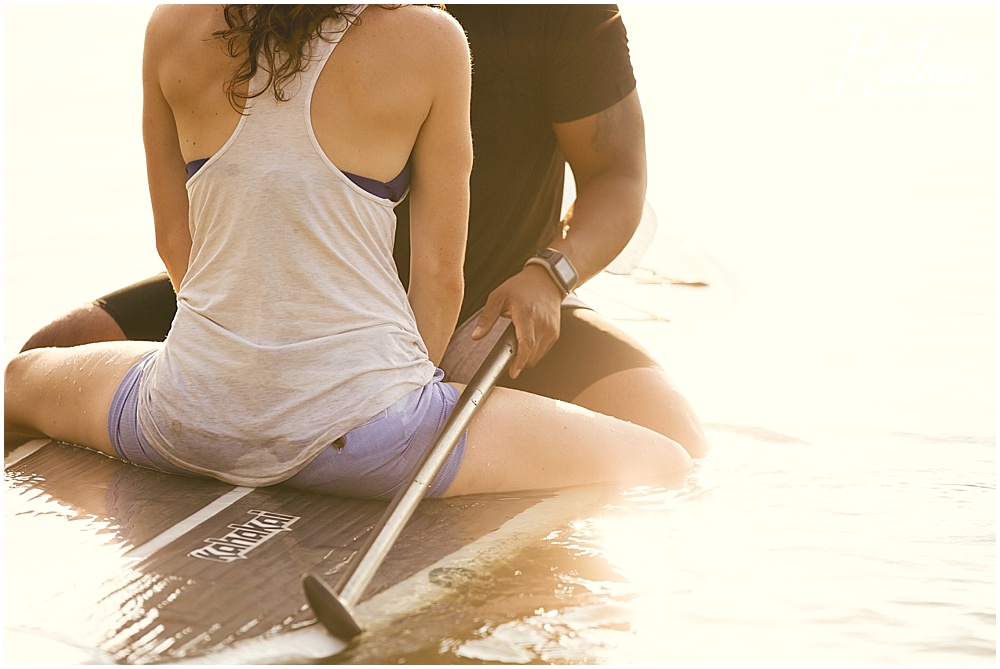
x=244, y=537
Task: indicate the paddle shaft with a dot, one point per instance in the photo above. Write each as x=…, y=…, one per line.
x=361, y=572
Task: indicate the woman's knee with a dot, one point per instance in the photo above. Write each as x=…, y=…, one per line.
x=65, y=393
x=673, y=458
x=20, y=395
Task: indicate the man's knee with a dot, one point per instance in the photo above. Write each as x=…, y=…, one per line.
x=84, y=325
x=645, y=396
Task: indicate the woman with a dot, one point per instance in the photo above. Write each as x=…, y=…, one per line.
x=278, y=138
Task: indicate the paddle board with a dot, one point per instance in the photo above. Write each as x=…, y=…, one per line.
x=112, y=563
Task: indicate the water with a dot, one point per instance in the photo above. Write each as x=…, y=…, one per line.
x=843, y=210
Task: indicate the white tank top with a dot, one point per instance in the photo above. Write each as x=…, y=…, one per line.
x=292, y=326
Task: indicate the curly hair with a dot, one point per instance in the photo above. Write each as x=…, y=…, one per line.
x=279, y=34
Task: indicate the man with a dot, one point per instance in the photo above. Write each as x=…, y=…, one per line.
x=552, y=85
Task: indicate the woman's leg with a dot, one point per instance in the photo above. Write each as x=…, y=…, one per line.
x=65, y=393
x=520, y=441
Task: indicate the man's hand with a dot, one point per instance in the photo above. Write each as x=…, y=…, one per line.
x=532, y=301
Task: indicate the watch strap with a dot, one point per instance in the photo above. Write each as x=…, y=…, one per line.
x=544, y=260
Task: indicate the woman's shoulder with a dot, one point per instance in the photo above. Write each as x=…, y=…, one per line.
x=419, y=27
x=416, y=17
x=170, y=24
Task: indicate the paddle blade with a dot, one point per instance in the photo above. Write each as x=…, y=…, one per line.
x=332, y=613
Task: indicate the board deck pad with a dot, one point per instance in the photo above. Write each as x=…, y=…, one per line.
x=204, y=565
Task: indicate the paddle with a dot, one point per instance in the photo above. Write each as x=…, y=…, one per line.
x=333, y=607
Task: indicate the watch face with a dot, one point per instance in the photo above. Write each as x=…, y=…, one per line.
x=562, y=269
x=565, y=271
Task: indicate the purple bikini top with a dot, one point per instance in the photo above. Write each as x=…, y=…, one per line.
x=392, y=190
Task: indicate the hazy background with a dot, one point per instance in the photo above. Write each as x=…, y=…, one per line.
x=830, y=170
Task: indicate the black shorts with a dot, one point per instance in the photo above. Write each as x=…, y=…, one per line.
x=590, y=346
x=144, y=310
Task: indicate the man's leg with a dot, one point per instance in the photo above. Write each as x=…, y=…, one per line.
x=140, y=312
x=646, y=396
x=84, y=325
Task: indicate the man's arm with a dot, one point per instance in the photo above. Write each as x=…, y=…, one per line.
x=607, y=153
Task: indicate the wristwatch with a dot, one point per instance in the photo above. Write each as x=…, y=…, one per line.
x=559, y=268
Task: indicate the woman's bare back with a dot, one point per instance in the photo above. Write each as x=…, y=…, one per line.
x=370, y=102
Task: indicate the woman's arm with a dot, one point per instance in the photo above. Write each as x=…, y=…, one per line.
x=439, y=192
x=164, y=162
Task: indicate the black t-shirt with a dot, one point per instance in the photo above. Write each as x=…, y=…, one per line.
x=533, y=65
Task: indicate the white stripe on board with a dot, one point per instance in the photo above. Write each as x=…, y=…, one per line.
x=24, y=450
x=192, y=521
x=164, y=538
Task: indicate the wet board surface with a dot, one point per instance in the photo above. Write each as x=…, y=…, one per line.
x=170, y=569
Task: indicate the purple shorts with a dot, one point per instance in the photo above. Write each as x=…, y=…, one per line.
x=376, y=460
